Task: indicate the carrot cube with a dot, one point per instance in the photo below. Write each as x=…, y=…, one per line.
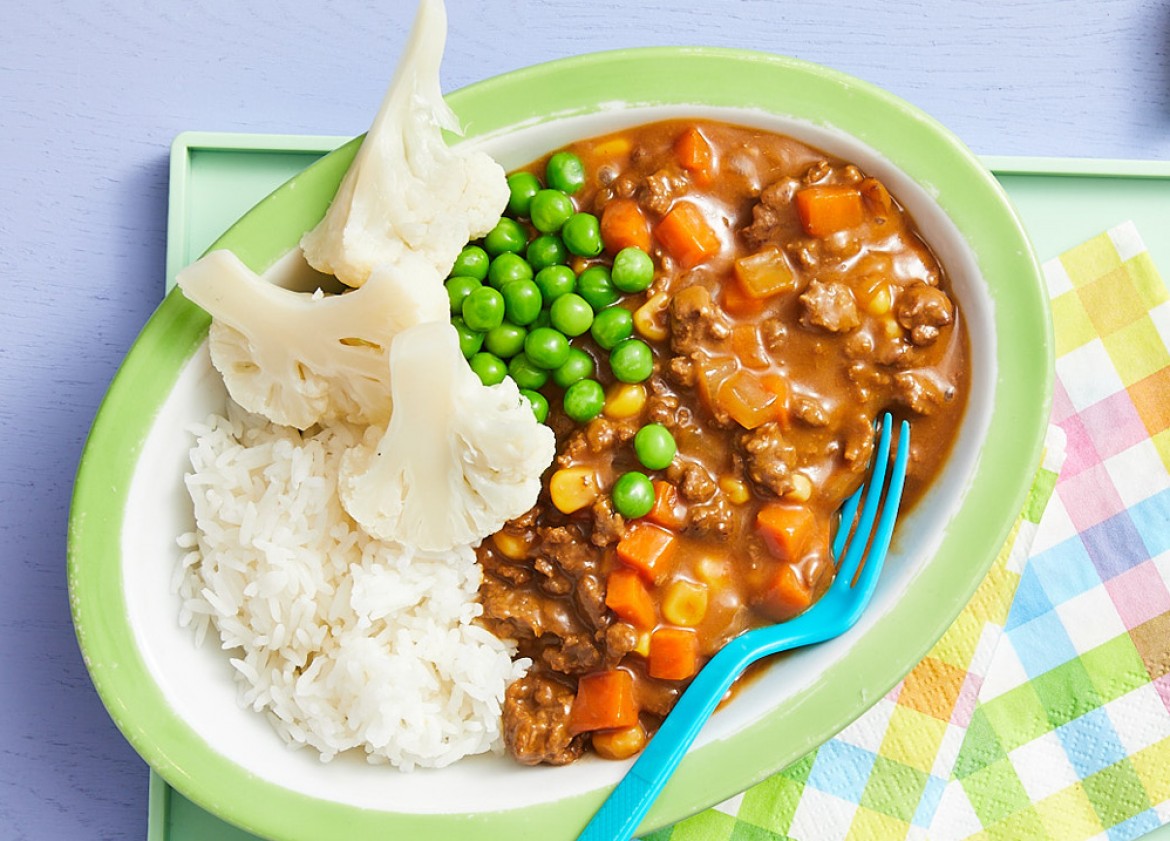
x=744, y=397
x=627, y=596
x=784, y=595
x=736, y=301
x=668, y=510
x=687, y=235
x=605, y=700
x=694, y=155
x=647, y=549
x=623, y=225
x=826, y=209
x=674, y=653
x=786, y=529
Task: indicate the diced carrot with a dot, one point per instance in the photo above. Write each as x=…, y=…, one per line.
x=736, y=300
x=668, y=510
x=744, y=397
x=787, y=529
x=784, y=595
x=687, y=235
x=674, y=653
x=605, y=700
x=623, y=225
x=826, y=209
x=778, y=385
x=710, y=375
x=647, y=549
x=627, y=596
x=746, y=345
x=765, y=273
x=694, y=154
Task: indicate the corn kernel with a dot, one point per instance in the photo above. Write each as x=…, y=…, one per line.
x=643, y=645
x=646, y=320
x=880, y=303
x=893, y=329
x=625, y=400
x=619, y=744
x=510, y=545
x=736, y=490
x=685, y=603
x=613, y=147
x=801, y=488
x=573, y=488
x=711, y=571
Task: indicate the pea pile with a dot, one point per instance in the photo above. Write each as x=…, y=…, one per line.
x=517, y=304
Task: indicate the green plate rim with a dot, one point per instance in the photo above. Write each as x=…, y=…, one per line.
x=702, y=76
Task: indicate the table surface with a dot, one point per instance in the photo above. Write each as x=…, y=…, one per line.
x=92, y=94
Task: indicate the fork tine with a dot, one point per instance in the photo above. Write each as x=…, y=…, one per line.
x=848, y=566
x=885, y=528
x=848, y=513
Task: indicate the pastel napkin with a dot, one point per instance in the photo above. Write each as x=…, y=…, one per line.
x=1044, y=711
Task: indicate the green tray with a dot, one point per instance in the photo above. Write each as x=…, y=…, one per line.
x=216, y=177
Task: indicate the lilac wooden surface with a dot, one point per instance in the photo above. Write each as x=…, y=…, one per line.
x=92, y=94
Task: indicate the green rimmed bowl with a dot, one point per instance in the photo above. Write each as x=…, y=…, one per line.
x=176, y=703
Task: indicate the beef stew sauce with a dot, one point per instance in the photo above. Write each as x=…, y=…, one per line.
x=793, y=302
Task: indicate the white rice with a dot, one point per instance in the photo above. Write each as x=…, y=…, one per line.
x=343, y=641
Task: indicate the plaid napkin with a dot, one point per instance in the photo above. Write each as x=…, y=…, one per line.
x=1044, y=711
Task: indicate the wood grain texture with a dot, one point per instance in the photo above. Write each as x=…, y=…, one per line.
x=92, y=94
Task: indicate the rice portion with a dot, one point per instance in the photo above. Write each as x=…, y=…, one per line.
x=343, y=641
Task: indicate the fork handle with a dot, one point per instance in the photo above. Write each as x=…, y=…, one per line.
x=628, y=803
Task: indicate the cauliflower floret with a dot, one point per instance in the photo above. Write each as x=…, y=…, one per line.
x=299, y=358
x=458, y=458
x=406, y=191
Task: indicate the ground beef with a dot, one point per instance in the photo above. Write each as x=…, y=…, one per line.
x=577, y=654
x=564, y=547
x=773, y=332
x=769, y=458
x=697, y=484
x=918, y=392
x=608, y=525
x=589, y=597
x=663, y=409
x=515, y=574
x=859, y=441
x=692, y=317
x=536, y=722
x=552, y=580
x=712, y=518
x=681, y=371
x=659, y=190
x=809, y=411
x=519, y=614
x=830, y=306
x=620, y=640
x=924, y=310
x=772, y=215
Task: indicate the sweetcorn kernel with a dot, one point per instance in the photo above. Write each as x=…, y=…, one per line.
x=711, y=571
x=736, y=489
x=646, y=318
x=619, y=744
x=801, y=488
x=573, y=488
x=511, y=546
x=625, y=400
x=643, y=645
x=685, y=603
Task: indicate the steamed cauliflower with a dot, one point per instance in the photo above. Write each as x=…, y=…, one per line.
x=458, y=458
x=300, y=359
x=406, y=191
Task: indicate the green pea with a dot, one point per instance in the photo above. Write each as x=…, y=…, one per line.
x=550, y=209
x=527, y=375
x=633, y=495
x=539, y=403
x=612, y=325
x=507, y=235
x=571, y=314
x=483, y=309
x=458, y=288
x=595, y=286
x=631, y=361
x=546, y=250
x=505, y=341
x=555, y=281
x=489, y=368
x=633, y=270
x=565, y=171
x=577, y=367
x=508, y=267
x=542, y=320
x=471, y=262
x=522, y=301
x=582, y=235
x=546, y=348
x=470, y=341
x=522, y=186
x=584, y=400
x=654, y=446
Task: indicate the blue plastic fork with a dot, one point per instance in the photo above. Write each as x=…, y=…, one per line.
x=834, y=614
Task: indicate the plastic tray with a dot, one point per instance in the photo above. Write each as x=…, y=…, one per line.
x=216, y=177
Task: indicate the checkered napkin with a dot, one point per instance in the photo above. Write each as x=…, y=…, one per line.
x=1044, y=711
